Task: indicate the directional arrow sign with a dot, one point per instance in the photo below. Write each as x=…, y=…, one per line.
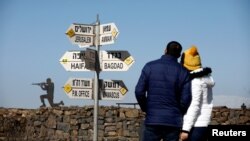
x=81, y=34
x=79, y=88
x=113, y=90
x=108, y=33
x=114, y=60
x=75, y=61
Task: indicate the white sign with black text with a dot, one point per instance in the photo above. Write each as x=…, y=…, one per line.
x=116, y=60
x=108, y=33
x=81, y=34
x=74, y=61
x=113, y=90
x=79, y=88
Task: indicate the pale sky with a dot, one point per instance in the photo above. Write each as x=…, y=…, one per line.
x=33, y=39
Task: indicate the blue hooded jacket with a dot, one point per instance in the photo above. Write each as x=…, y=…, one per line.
x=163, y=91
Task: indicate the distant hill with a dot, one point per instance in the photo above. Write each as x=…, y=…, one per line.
x=231, y=101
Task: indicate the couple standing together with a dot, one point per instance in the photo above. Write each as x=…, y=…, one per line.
x=176, y=97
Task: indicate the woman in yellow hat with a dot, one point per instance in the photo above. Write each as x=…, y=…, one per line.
x=198, y=116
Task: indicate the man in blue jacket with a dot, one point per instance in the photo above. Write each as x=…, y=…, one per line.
x=163, y=92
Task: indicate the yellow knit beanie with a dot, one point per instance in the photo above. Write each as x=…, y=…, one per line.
x=191, y=60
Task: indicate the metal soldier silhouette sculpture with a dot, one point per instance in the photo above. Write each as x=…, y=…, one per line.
x=49, y=87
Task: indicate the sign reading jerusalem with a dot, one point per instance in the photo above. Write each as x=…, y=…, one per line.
x=81, y=34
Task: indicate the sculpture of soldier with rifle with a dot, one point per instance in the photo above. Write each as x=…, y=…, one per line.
x=48, y=86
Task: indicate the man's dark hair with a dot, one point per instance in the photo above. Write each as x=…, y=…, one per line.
x=174, y=49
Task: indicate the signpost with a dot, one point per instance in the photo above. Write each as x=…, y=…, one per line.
x=79, y=88
x=116, y=60
x=113, y=90
x=95, y=35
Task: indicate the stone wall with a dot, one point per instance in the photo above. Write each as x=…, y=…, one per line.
x=225, y=116
x=76, y=123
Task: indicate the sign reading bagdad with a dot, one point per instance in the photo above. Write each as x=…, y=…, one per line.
x=116, y=60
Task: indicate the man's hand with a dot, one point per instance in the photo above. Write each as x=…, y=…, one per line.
x=183, y=136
